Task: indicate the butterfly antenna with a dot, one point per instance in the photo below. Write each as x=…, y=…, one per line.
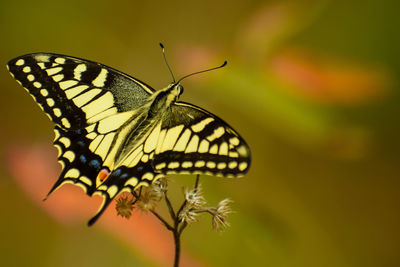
x=166, y=62
x=223, y=65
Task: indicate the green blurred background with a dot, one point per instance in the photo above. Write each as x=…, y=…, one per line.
x=311, y=85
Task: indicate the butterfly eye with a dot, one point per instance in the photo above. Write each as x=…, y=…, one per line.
x=180, y=87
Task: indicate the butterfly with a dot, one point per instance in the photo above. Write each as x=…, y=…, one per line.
x=115, y=133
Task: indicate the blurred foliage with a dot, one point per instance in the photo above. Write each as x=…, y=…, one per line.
x=312, y=85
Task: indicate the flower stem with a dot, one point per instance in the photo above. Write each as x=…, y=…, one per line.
x=177, y=240
x=178, y=225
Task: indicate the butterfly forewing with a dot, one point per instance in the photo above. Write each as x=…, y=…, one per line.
x=76, y=92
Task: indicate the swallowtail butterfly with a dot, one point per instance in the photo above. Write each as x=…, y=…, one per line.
x=115, y=133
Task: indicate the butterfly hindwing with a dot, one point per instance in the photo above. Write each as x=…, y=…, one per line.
x=80, y=166
x=76, y=92
x=193, y=140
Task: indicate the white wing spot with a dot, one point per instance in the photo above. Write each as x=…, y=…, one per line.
x=53, y=71
x=65, y=122
x=216, y=134
x=148, y=176
x=200, y=163
x=234, y=140
x=56, y=134
x=69, y=155
x=37, y=84
x=102, y=187
x=58, y=77
x=132, y=182
x=233, y=154
x=65, y=141
x=90, y=128
x=50, y=102
x=187, y=164
x=44, y=92
x=211, y=164
x=161, y=166
x=78, y=71
x=60, y=60
x=20, y=62
x=26, y=69
x=232, y=164
x=41, y=65
x=67, y=84
x=101, y=78
x=221, y=165
x=57, y=112
x=173, y=165
x=242, y=151
x=145, y=158
x=242, y=166
x=72, y=173
x=30, y=77
x=86, y=180
x=42, y=58
x=202, y=124
x=91, y=135
x=112, y=191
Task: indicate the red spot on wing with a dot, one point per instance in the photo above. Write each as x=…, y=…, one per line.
x=103, y=175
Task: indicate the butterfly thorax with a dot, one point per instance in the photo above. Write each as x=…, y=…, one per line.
x=143, y=121
x=163, y=99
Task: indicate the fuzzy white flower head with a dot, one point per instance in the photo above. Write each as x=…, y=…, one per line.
x=194, y=198
x=220, y=214
x=124, y=205
x=149, y=196
x=160, y=185
x=188, y=216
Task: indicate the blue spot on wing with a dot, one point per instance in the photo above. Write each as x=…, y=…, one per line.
x=95, y=163
x=83, y=158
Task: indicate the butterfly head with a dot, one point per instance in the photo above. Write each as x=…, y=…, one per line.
x=172, y=93
x=176, y=89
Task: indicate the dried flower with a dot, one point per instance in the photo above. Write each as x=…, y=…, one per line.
x=161, y=185
x=149, y=197
x=188, y=216
x=194, y=201
x=124, y=205
x=194, y=198
x=220, y=214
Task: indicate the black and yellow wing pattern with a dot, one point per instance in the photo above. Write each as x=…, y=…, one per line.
x=115, y=133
